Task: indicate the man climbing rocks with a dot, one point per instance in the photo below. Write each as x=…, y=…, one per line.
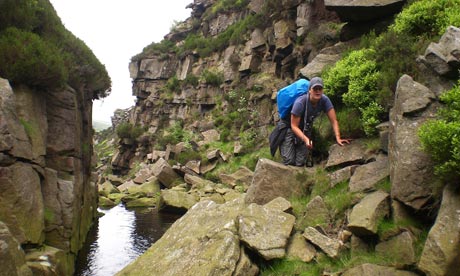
x=298, y=140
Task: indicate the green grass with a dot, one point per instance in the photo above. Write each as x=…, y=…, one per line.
x=338, y=199
x=287, y=267
x=248, y=160
x=321, y=183
x=323, y=264
x=384, y=185
x=298, y=210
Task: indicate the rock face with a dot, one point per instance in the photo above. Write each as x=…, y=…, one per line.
x=46, y=195
x=22, y=202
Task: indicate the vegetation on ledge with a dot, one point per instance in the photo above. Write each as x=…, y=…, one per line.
x=37, y=50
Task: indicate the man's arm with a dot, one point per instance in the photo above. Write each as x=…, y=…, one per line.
x=295, y=122
x=335, y=126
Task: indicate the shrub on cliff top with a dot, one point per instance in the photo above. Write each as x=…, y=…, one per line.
x=49, y=54
x=31, y=60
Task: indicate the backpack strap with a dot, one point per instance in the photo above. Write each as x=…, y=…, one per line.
x=305, y=118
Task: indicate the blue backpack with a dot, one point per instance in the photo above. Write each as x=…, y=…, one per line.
x=287, y=95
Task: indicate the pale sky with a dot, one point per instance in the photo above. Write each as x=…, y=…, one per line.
x=116, y=30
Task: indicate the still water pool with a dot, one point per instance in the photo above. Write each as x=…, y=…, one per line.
x=119, y=237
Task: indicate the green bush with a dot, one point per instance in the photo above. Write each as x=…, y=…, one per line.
x=441, y=138
x=188, y=155
x=395, y=56
x=428, y=17
x=212, y=78
x=232, y=35
x=163, y=47
x=192, y=80
x=173, y=84
x=370, y=117
x=354, y=80
x=127, y=130
x=175, y=134
x=349, y=121
x=26, y=58
x=221, y=6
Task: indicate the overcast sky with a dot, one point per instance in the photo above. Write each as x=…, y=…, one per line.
x=116, y=30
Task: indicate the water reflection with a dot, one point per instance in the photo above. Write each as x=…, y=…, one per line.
x=118, y=237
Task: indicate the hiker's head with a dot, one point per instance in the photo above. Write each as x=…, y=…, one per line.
x=316, y=83
x=316, y=89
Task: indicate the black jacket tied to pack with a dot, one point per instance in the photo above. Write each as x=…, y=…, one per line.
x=277, y=135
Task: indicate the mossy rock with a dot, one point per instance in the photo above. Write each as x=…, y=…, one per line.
x=116, y=197
x=105, y=202
x=142, y=202
x=130, y=197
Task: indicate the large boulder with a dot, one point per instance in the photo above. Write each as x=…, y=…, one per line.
x=202, y=242
x=411, y=169
x=325, y=58
x=341, y=156
x=51, y=261
x=177, y=200
x=299, y=248
x=265, y=230
x=107, y=188
x=242, y=176
x=444, y=57
x=316, y=213
x=367, y=176
x=400, y=249
x=165, y=173
x=331, y=247
x=366, y=215
x=272, y=179
x=441, y=254
x=214, y=239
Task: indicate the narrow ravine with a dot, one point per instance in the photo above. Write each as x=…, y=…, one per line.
x=118, y=237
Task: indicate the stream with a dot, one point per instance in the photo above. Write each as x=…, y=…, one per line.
x=119, y=237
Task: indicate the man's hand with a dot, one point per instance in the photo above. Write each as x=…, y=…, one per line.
x=308, y=142
x=342, y=142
